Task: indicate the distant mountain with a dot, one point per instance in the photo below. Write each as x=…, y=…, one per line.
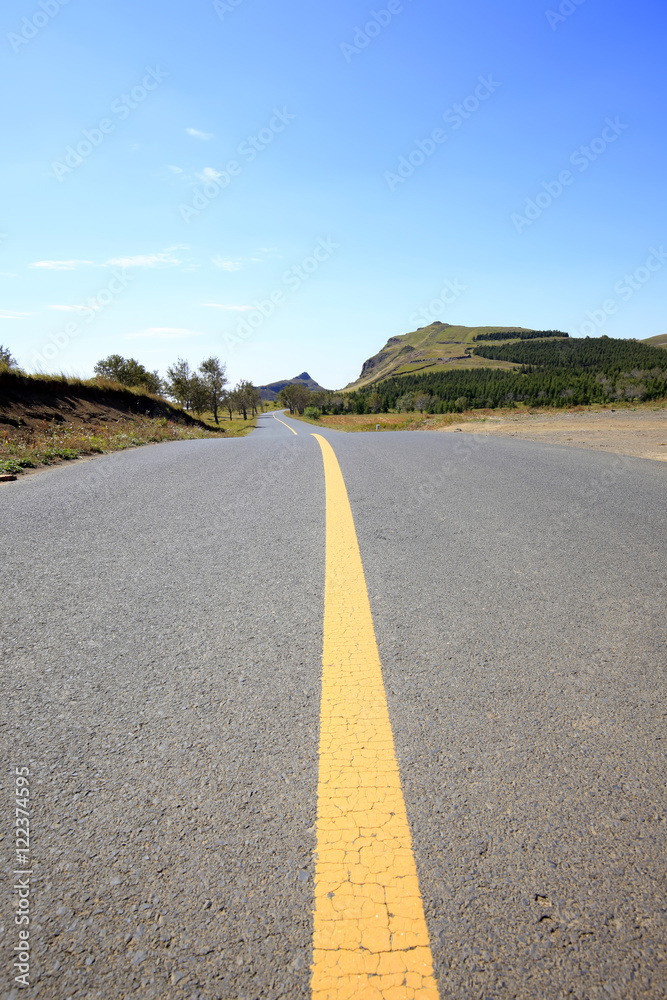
x=437, y=347
x=270, y=392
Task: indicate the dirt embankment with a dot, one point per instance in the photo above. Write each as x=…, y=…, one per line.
x=46, y=421
x=27, y=402
x=640, y=432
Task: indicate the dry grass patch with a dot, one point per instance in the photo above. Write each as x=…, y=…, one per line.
x=520, y=413
x=52, y=442
x=387, y=421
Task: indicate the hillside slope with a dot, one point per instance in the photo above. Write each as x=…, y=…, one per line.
x=28, y=401
x=441, y=347
x=45, y=420
x=659, y=341
x=437, y=347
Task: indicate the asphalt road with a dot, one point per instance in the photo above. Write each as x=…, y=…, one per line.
x=161, y=667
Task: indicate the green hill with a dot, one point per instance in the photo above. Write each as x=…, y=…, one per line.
x=549, y=371
x=438, y=347
x=659, y=341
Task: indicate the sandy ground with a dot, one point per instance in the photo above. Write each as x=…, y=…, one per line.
x=641, y=433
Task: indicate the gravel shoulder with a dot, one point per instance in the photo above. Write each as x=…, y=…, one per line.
x=641, y=433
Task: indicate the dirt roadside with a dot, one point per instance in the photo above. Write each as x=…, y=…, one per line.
x=640, y=432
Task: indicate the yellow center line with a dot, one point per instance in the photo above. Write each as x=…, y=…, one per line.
x=284, y=424
x=371, y=940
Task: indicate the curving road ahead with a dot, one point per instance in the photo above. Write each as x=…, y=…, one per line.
x=162, y=644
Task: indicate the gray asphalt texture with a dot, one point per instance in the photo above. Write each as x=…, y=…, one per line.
x=161, y=663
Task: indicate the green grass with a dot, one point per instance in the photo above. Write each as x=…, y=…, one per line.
x=238, y=427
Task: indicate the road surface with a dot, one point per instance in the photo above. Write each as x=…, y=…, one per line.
x=162, y=666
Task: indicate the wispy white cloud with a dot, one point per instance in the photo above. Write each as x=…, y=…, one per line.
x=77, y=308
x=219, y=305
x=14, y=314
x=8, y=274
x=60, y=265
x=226, y=265
x=164, y=333
x=209, y=174
x=236, y=263
x=205, y=136
x=175, y=170
x=164, y=258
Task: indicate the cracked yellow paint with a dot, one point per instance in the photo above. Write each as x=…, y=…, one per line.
x=371, y=941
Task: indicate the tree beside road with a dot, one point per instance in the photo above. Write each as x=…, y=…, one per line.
x=214, y=378
x=296, y=397
x=202, y=390
x=128, y=372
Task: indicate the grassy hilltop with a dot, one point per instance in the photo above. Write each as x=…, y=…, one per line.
x=441, y=347
x=438, y=347
x=659, y=341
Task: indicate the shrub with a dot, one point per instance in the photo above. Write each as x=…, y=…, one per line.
x=312, y=412
x=69, y=454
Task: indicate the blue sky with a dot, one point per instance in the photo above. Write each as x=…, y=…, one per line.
x=288, y=185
